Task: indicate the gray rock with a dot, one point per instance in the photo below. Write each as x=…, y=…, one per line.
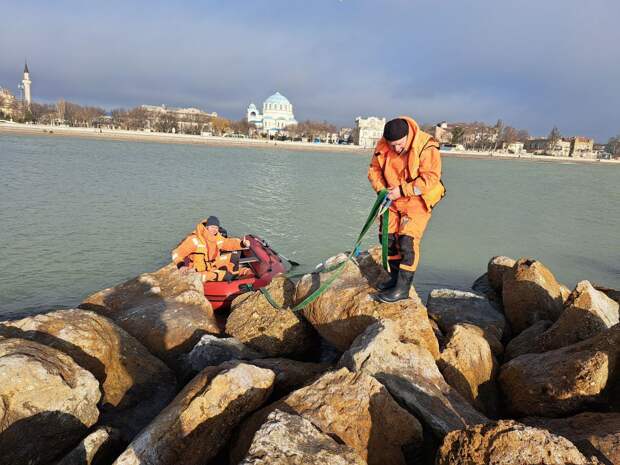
x=286, y=439
x=199, y=421
x=565, y=381
x=449, y=307
x=47, y=402
x=409, y=372
x=507, y=443
x=212, y=350
x=100, y=447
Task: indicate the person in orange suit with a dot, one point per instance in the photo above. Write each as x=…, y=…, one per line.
x=201, y=251
x=407, y=163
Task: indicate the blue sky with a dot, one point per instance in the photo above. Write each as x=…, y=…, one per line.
x=535, y=64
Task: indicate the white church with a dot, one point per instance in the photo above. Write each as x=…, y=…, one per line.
x=277, y=114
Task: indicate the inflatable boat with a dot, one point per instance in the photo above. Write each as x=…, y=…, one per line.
x=264, y=264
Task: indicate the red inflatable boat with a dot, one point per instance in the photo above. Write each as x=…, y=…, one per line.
x=264, y=263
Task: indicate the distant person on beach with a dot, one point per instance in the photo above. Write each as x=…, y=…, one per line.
x=201, y=251
x=407, y=163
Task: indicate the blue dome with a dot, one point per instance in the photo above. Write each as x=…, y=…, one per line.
x=278, y=98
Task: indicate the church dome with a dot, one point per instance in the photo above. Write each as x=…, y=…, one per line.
x=278, y=98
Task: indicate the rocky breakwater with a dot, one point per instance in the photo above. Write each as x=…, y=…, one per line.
x=517, y=370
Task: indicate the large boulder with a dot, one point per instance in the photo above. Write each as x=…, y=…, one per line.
x=496, y=268
x=468, y=365
x=449, y=307
x=530, y=293
x=354, y=409
x=613, y=294
x=100, y=447
x=291, y=374
x=166, y=311
x=199, y=421
x=564, y=381
x=47, y=402
x=135, y=385
x=410, y=374
x=286, y=439
x=212, y=350
x=347, y=308
x=527, y=340
x=587, y=312
x=595, y=434
x=271, y=331
x=482, y=286
x=507, y=443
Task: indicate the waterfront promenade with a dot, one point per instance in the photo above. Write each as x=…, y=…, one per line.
x=159, y=137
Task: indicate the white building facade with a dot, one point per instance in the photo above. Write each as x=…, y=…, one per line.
x=368, y=131
x=277, y=114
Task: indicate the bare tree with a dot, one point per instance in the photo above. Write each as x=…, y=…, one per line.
x=457, y=135
x=553, y=139
x=613, y=146
x=167, y=122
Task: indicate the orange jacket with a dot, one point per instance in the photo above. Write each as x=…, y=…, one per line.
x=203, y=249
x=417, y=171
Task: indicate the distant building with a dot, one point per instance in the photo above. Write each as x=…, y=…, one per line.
x=582, y=147
x=542, y=147
x=514, y=147
x=26, y=86
x=368, y=131
x=277, y=114
x=442, y=133
x=8, y=103
x=180, y=113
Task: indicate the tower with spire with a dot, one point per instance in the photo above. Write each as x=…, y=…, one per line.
x=26, y=85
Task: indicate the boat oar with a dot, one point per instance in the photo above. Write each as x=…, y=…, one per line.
x=293, y=263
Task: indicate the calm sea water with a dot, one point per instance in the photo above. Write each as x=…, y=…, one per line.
x=80, y=215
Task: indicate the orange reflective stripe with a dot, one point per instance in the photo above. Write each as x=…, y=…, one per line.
x=407, y=267
x=395, y=257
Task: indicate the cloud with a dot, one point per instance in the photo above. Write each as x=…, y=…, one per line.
x=534, y=64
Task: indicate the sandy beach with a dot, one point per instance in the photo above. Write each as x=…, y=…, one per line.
x=158, y=137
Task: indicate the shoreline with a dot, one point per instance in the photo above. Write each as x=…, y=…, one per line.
x=220, y=141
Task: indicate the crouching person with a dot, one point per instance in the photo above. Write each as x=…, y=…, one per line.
x=204, y=251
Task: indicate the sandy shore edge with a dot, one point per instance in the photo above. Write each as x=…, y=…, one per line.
x=157, y=137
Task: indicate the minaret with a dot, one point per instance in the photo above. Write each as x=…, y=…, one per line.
x=26, y=83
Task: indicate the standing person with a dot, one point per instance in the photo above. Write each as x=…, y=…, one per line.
x=201, y=251
x=407, y=163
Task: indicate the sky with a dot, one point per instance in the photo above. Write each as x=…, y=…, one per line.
x=535, y=64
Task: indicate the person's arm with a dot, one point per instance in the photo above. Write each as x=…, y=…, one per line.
x=375, y=175
x=231, y=244
x=429, y=173
x=185, y=248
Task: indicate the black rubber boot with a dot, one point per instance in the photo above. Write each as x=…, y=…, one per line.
x=394, y=264
x=400, y=291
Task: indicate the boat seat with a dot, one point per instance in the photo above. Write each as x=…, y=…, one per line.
x=245, y=260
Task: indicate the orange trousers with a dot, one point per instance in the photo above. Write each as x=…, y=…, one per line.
x=408, y=217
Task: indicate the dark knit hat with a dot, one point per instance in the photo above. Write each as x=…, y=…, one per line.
x=212, y=221
x=395, y=129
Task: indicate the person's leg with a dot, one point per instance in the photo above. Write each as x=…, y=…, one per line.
x=393, y=250
x=410, y=234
